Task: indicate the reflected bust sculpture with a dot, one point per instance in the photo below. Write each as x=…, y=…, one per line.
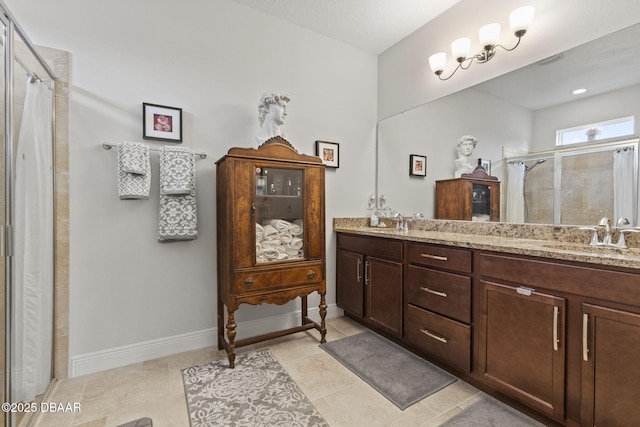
x=466, y=145
x=272, y=112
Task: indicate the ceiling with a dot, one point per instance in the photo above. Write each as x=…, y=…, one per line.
x=371, y=25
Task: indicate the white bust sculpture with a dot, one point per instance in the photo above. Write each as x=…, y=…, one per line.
x=465, y=147
x=272, y=111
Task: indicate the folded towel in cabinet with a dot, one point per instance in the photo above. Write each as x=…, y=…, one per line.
x=296, y=227
x=285, y=237
x=269, y=232
x=279, y=224
x=259, y=233
x=134, y=171
x=178, y=219
x=296, y=243
x=177, y=169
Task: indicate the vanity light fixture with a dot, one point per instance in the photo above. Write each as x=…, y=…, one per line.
x=519, y=21
x=579, y=91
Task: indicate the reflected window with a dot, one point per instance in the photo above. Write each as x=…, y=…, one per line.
x=609, y=129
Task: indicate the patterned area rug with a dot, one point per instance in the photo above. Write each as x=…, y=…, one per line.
x=258, y=392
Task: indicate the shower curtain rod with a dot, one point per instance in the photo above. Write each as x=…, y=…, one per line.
x=109, y=146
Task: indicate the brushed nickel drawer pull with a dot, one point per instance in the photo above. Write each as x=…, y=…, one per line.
x=585, y=348
x=523, y=290
x=556, y=311
x=358, y=274
x=431, y=291
x=433, y=335
x=436, y=257
x=311, y=274
x=248, y=282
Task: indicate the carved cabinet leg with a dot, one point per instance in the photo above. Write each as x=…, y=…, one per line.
x=323, y=314
x=231, y=336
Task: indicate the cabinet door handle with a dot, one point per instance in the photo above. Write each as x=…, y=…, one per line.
x=248, y=282
x=253, y=209
x=358, y=267
x=431, y=291
x=556, y=312
x=433, y=335
x=366, y=272
x=585, y=327
x=436, y=257
x=311, y=274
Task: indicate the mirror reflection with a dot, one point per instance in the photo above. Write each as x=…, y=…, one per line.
x=516, y=118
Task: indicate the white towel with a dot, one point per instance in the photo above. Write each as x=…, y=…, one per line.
x=296, y=227
x=259, y=233
x=178, y=214
x=285, y=237
x=296, y=243
x=136, y=184
x=271, y=243
x=177, y=175
x=279, y=224
x=270, y=232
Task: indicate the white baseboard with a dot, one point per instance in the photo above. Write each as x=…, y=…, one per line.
x=102, y=360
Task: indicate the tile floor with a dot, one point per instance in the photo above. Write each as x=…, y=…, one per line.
x=154, y=389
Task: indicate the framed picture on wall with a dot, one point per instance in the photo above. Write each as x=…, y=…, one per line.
x=417, y=165
x=161, y=123
x=329, y=152
x=486, y=164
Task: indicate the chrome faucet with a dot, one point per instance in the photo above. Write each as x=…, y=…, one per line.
x=607, y=240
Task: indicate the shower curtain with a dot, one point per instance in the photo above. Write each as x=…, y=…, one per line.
x=515, y=192
x=33, y=260
x=623, y=160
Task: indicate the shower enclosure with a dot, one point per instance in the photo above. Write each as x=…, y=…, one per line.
x=26, y=221
x=574, y=186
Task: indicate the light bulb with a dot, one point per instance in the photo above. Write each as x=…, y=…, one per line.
x=489, y=34
x=437, y=62
x=460, y=48
x=520, y=20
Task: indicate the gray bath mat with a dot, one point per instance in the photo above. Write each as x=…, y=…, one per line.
x=397, y=374
x=489, y=412
x=141, y=422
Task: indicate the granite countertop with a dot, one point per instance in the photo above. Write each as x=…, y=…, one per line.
x=554, y=242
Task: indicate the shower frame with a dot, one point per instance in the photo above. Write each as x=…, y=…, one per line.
x=10, y=29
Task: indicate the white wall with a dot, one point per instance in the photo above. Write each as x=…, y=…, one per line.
x=406, y=81
x=214, y=59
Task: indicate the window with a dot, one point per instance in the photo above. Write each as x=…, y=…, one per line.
x=596, y=131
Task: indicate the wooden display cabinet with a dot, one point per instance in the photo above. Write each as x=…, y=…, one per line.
x=271, y=235
x=472, y=197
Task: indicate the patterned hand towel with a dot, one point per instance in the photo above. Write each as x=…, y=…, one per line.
x=178, y=214
x=134, y=171
x=177, y=178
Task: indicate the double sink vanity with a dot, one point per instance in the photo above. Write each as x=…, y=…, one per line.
x=531, y=312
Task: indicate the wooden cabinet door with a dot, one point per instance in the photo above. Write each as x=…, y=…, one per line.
x=522, y=346
x=384, y=294
x=610, y=367
x=350, y=282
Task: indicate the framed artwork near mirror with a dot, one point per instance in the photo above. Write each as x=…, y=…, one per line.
x=486, y=164
x=417, y=165
x=329, y=152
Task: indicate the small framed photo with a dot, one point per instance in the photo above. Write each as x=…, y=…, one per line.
x=161, y=123
x=329, y=152
x=486, y=165
x=417, y=165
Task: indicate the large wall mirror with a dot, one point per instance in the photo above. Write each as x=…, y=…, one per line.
x=515, y=118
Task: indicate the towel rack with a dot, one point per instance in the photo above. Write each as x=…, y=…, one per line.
x=109, y=146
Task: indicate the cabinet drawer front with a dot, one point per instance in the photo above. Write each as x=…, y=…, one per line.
x=444, y=293
x=443, y=338
x=375, y=246
x=274, y=280
x=438, y=256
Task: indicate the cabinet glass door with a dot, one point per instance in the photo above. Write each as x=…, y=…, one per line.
x=279, y=214
x=481, y=202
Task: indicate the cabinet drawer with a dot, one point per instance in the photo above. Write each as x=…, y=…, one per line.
x=438, y=256
x=375, y=246
x=444, y=293
x=274, y=280
x=443, y=338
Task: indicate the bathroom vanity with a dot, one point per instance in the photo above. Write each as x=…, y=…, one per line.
x=531, y=313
